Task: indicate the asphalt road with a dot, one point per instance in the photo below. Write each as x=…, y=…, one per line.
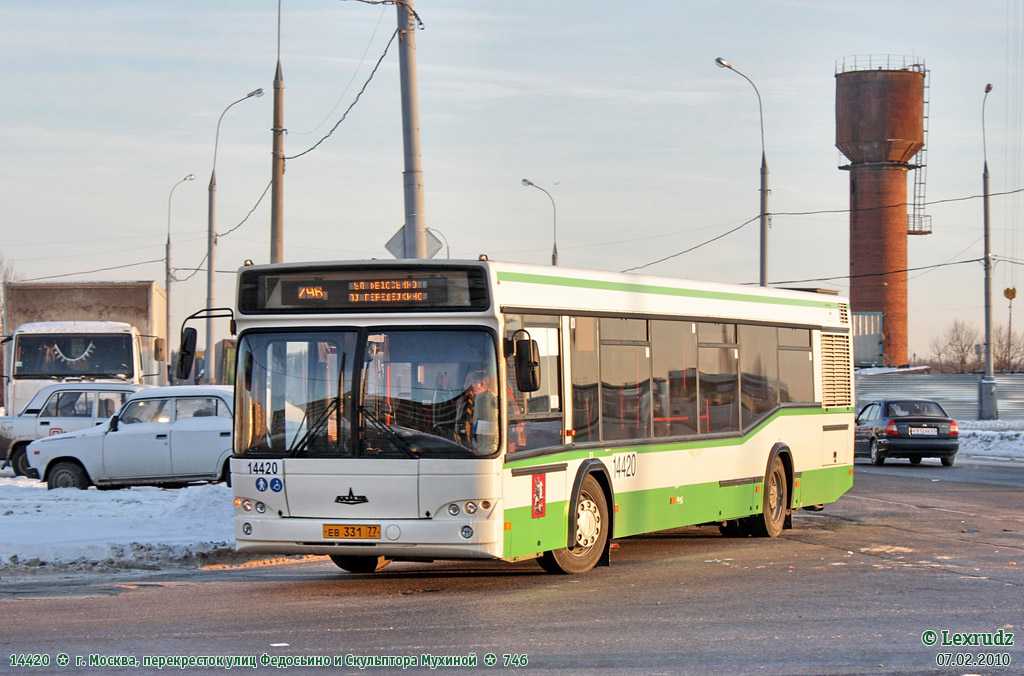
x=851, y=590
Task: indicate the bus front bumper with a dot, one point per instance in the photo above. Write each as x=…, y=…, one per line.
x=443, y=538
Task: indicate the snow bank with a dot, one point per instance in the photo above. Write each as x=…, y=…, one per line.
x=68, y=530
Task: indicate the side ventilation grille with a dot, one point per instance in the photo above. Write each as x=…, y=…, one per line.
x=836, y=370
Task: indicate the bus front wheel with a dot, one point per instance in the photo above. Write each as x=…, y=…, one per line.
x=591, y=529
x=360, y=564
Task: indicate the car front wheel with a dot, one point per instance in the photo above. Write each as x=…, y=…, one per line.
x=67, y=475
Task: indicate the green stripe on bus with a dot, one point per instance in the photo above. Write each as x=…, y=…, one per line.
x=550, y=280
x=659, y=509
x=572, y=454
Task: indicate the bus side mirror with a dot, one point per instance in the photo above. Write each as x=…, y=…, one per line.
x=527, y=365
x=187, y=353
x=160, y=349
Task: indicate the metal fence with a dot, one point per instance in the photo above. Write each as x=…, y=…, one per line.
x=957, y=392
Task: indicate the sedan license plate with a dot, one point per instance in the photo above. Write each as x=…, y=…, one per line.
x=362, y=532
x=924, y=432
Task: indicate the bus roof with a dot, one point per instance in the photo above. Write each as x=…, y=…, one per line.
x=521, y=286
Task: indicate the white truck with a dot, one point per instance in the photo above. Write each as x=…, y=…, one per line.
x=81, y=331
x=42, y=353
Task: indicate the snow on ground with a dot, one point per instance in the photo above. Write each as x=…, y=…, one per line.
x=73, y=532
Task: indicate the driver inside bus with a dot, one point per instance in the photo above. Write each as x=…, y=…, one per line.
x=477, y=419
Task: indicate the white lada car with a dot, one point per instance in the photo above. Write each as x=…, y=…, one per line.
x=161, y=436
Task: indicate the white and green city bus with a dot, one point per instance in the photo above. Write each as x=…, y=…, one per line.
x=425, y=410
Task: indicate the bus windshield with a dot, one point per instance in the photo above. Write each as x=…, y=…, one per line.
x=373, y=393
x=74, y=355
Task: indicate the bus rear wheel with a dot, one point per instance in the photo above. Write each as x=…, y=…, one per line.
x=591, y=527
x=360, y=564
x=774, y=503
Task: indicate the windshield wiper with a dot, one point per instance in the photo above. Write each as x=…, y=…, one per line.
x=316, y=427
x=389, y=432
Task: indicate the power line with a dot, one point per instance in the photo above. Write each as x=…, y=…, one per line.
x=639, y=267
x=662, y=260
x=891, y=206
x=876, y=274
x=194, y=270
x=86, y=272
x=242, y=222
x=355, y=101
x=815, y=213
x=350, y=81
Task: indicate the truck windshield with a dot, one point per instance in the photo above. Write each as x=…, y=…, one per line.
x=380, y=394
x=74, y=355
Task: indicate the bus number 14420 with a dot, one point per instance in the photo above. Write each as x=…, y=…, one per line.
x=263, y=468
x=624, y=465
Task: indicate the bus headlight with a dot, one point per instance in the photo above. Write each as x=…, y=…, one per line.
x=453, y=509
x=247, y=528
x=244, y=503
x=470, y=507
x=467, y=532
x=260, y=508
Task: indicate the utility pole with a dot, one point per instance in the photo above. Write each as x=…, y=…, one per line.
x=412, y=177
x=277, y=173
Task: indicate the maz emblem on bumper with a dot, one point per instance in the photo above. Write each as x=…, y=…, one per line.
x=351, y=498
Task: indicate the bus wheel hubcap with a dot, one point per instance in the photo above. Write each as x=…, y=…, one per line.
x=588, y=523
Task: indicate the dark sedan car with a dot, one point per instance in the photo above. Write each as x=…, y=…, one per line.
x=906, y=428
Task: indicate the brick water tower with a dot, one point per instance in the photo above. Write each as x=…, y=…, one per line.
x=880, y=116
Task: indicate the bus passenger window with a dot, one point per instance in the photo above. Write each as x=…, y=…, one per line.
x=674, y=382
x=586, y=402
x=718, y=378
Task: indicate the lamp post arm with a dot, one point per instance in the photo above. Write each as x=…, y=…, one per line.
x=554, y=232
x=760, y=110
x=216, y=137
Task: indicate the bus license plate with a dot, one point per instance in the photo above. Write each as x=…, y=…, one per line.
x=352, y=532
x=924, y=432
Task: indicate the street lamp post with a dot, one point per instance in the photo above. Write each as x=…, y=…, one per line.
x=211, y=237
x=988, y=403
x=722, y=63
x=168, y=279
x=554, y=216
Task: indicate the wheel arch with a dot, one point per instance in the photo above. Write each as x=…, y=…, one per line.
x=225, y=471
x=783, y=452
x=593, y=467
x=12, y=450
x=16, y=445
x=53, y=462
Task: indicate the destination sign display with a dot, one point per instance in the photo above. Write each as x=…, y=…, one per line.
x=363, y=289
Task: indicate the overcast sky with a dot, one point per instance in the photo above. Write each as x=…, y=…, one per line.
x=616, y=108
